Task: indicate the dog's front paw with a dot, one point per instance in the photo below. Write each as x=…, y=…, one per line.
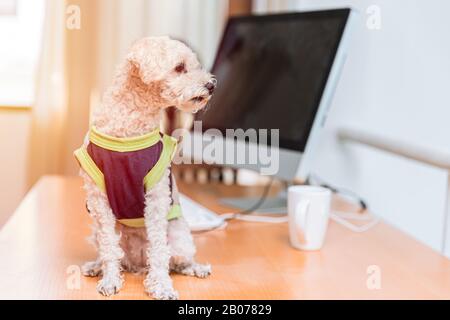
x=160, y=289
x=162, y=293
x=201, y=270
x=194, y=269
x=91, y=269
x=108, y=286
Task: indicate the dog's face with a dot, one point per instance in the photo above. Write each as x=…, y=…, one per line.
x=172, y=70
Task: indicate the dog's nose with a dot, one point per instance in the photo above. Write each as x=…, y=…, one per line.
x=210, y=86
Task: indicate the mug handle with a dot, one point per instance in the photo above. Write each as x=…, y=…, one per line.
x=301, y=217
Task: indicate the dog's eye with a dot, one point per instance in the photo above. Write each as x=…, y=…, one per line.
x=181, y=67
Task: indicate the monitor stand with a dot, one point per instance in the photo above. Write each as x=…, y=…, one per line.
x=275, y=204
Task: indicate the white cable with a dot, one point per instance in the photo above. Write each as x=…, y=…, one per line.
x=338, y=216
x=343, y=217
x=353, y=215
x=243, y=217
x=254, y=218
x=262, y=219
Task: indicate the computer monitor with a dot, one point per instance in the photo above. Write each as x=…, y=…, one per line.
x=276, y=72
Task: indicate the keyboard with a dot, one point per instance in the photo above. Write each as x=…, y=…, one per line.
x=198, y=217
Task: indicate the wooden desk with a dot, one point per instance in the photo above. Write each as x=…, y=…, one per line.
x=46, y=236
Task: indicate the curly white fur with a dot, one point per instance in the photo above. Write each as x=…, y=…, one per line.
x=158, y=72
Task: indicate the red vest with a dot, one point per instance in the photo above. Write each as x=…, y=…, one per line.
x=125, y=168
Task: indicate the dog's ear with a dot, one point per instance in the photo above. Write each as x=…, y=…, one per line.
x=145, y=55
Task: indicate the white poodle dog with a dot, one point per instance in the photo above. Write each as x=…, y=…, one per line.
x=135, y=226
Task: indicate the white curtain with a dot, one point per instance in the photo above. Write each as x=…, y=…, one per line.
x=49, y=110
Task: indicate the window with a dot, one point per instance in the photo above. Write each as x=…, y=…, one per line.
x=21, y=23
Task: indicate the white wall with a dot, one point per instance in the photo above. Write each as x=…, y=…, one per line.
x=396, y=83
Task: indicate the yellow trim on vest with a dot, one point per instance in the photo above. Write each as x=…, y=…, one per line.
x=134, y=223
x=90, y=167
x=124, y=144
x=174, y=213
x=167, y=154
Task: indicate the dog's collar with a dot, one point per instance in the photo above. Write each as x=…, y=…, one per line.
x=124, y=144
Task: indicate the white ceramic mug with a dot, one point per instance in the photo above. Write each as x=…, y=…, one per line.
x=309, y=211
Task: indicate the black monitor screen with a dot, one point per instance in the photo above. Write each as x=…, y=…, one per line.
x=272, y=71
